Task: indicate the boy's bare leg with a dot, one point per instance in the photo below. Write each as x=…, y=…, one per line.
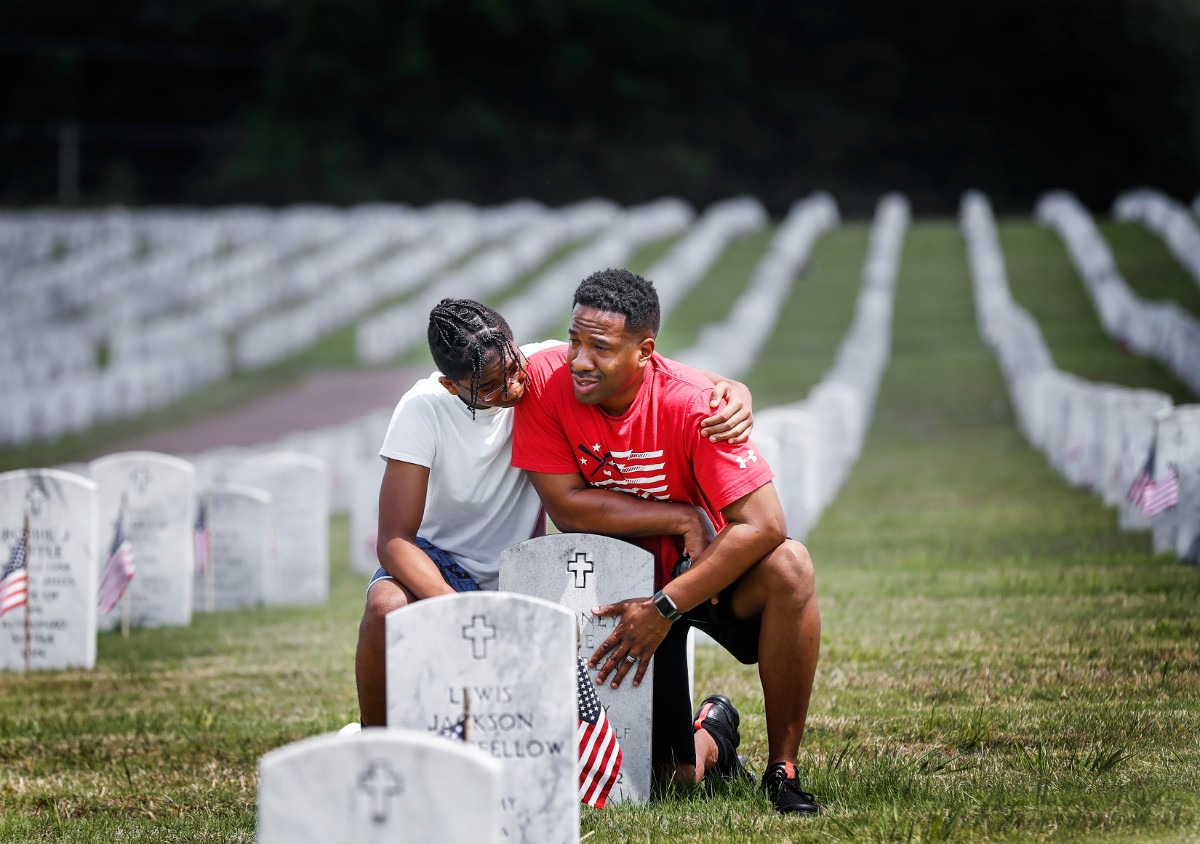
x=370, y=659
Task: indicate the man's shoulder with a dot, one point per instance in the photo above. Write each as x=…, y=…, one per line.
x=547, y=357
x=679, y=381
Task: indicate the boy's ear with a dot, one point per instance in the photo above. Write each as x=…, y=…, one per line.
x=450, y=386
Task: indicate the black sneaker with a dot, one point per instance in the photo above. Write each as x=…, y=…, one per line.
x=784, y=789
x=719, y=718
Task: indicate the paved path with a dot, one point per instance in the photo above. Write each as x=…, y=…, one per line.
x=321, y=399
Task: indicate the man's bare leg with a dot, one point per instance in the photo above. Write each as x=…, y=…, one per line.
x=782, y=589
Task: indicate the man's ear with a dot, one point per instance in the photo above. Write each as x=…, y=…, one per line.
x=450, y=386
x=645, y=350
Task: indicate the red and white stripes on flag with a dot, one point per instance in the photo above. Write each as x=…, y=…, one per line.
x=1161, y=495
x=14, y=580
x=118, y=568
x=1138, y=488
x=201, y=541
x=599, y=751
x=1151, y=496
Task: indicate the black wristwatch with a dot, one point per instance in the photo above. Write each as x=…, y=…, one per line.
x=665, y=606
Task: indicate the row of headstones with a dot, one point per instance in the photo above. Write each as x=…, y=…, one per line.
x=1167, y=218
x=1163, y=330
x=394, y=330
x=165, y=330
x=264, y=539
x=175, y=250
x=1099, y=436
x=504, y=665
x=79, y=401
x=346, y=293
x=613, y=233
x=732, y=345
x=544, y=305
x=812, y=444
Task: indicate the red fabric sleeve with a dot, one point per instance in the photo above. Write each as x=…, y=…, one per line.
x=724, y=472
x=539, y=442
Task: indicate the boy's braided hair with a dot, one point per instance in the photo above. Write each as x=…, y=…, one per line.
x=464, y=335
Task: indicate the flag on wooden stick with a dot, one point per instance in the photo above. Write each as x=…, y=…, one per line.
x=201, y=540
x=599, y=751
x=14, y=580
x=118, y=568
x=1144, y=479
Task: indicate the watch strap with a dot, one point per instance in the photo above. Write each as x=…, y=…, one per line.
x=665, y=606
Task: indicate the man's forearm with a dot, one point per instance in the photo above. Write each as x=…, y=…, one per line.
x=730, y=555
x=619, y=514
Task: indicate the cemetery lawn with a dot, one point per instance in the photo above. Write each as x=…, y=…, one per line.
x=999, y=663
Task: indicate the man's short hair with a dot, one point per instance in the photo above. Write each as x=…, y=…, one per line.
x=622, y=292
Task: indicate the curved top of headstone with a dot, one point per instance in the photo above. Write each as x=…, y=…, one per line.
x=398, y=737
x=268, y=458
x=154, y=456
x=54, y=474
x=254, y=492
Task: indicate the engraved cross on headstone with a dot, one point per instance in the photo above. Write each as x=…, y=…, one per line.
x=479, y=632
x=379, y=782
x=140, y=478
x=581, y=566
x=35, y=497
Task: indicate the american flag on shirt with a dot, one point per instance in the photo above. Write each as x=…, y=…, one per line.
x=599, y=751
x=14, y=580
x=118, y=569
x=201, y=541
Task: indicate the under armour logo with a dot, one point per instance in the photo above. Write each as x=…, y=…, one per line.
x=750, y=457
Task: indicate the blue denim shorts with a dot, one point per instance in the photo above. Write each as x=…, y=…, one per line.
x=452, y=572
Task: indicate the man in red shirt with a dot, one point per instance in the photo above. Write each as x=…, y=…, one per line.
x=609, y=415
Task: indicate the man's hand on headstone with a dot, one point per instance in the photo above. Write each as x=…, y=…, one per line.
x=638, y=635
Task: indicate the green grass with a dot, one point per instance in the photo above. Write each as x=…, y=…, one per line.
x=1044, y=282
x=999, y=663
x=1147, y=265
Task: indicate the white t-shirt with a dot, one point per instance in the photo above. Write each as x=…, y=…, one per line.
x=477, y=504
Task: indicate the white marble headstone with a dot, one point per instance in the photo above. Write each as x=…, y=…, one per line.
x=159, y=495
x=298, y=486
x=1136, y=435
x=580, y=571
x=1177, y=450
x=62, y=569
x=363, y=495
x=510, y=661
x=380, y=786
x=241, y=539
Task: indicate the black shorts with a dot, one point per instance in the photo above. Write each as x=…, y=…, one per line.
x=672, y=728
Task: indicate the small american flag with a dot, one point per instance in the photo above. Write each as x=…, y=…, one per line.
x=201, y=541
x=14, y=581
x=1161, y=495
x=455, y=731
x=118, y=569
x=599, y=751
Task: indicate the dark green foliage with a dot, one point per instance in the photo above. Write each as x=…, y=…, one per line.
x=322, y=100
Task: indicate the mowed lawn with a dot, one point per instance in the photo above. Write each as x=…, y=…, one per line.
x=999, y=663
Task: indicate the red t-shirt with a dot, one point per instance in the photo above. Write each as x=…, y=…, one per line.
x=654, y=450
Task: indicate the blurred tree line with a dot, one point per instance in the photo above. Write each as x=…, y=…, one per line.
x=276, y=101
